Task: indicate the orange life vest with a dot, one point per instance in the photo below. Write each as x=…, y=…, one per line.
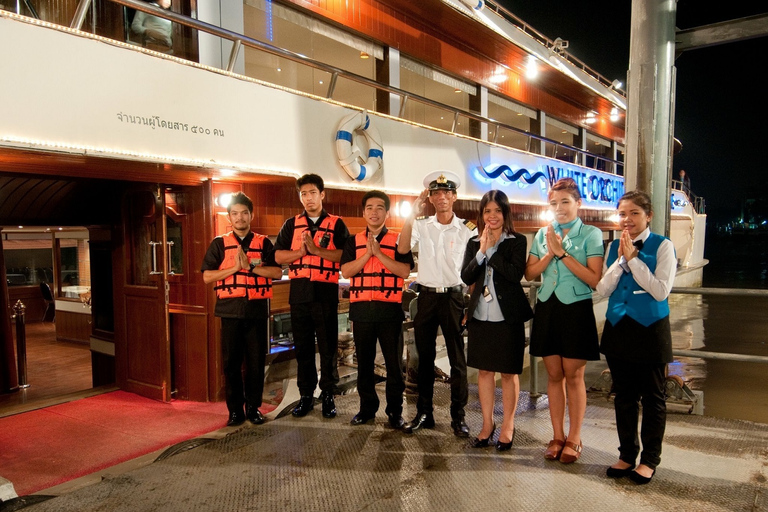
x=375, y=281
x=310, y=266
x=235, y=286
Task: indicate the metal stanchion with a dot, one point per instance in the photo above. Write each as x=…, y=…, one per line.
x=21, y=343
x=534, y=361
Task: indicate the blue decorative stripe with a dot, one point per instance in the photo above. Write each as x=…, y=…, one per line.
x=367, y=123
x=375, y=153
x=344, y=135
x=361, y=176
x=494, y=172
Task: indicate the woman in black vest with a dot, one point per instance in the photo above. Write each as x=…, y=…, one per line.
x=494, y=262
x=638, y=272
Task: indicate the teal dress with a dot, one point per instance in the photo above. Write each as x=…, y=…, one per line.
x=564, y=321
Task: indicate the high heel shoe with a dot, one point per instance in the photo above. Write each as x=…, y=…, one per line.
x=483, y=443
x=502, y=446
x=568, y=459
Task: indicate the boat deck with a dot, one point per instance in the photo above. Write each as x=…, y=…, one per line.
x=315, y=464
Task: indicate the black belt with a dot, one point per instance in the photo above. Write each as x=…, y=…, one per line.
x=440, y=289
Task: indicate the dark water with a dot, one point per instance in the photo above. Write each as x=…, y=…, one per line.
x=737, y=325
x=736, y=261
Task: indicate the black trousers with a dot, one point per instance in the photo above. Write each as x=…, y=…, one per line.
x=243, y=340
x=388, y=334
x=636, y=383
x=443, y=310
x=310, y=320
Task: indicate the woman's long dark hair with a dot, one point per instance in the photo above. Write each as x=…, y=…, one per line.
x=500, y=198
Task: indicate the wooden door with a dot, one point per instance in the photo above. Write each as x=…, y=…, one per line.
x=142, y=342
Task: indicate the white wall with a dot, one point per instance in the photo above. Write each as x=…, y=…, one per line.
x=76, y=94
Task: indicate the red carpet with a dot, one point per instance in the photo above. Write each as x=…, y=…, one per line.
x=46, y=447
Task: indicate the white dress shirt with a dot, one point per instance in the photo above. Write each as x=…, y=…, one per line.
x=441, y=250
x=658, y=283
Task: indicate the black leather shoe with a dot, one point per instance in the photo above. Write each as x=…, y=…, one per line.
x=360, y=418
x=236, y=418
x=619, y=473
x=460, y=428
x=329, y=405
x=396, y=421
x=254, y=415
x=483, y=443
x=421, y=421
x=640, y=479
x=502, y=447
x=306, y=404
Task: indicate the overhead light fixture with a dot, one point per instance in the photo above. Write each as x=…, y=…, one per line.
x=591, y=118
x=457, y=91
x=364, y=55
x=223, y=200
x=531, y=68
x=614, y=114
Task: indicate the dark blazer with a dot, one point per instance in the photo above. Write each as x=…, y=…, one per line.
x=508, y=264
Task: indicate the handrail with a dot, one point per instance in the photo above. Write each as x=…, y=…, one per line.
x=697, y=201
x=239, y=40
x=550, y=45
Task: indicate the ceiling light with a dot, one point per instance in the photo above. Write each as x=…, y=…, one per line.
x=364, y=55
x=531, y=68
x=591, y=118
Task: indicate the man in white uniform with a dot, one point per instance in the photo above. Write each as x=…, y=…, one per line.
x=440, y=241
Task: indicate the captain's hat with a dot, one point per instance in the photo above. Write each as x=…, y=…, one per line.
x=442, y=180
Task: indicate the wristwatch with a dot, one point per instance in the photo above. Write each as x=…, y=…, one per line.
x=565, y=255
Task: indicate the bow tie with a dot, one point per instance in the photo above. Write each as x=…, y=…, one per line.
x=638, y=244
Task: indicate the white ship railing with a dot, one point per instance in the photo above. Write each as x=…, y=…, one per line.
x=240, y=40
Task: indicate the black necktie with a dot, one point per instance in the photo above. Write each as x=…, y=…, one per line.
x=638, y=244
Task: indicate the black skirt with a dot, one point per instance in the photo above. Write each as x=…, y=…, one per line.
x=496, y=346
x=565, y=330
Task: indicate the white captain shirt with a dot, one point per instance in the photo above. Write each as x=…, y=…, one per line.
x=658, y=284
x=441, y=250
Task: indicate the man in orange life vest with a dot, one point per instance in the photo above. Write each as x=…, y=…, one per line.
x=242, y=265
x=311, y=244
x=376, y=271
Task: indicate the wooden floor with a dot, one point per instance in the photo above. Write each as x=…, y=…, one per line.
x=55, y=370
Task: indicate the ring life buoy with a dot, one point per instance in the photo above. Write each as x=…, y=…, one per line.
x=350, y=156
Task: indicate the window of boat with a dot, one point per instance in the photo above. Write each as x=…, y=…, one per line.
x=28, y=257
x=109, y=19
x=599, y=147
x=286, y=28
x=74, y=262
x=513, y=115
x=430, y=83
x=563, y=133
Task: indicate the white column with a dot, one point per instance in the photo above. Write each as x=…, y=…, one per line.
x=650, y=109
x=394, y=80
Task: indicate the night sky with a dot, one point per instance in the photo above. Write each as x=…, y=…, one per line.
x=721, y=102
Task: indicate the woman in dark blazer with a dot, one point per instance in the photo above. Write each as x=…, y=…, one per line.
x=494, y=264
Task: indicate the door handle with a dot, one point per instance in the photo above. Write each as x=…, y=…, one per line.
x=170, y=268
x=154, y=270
